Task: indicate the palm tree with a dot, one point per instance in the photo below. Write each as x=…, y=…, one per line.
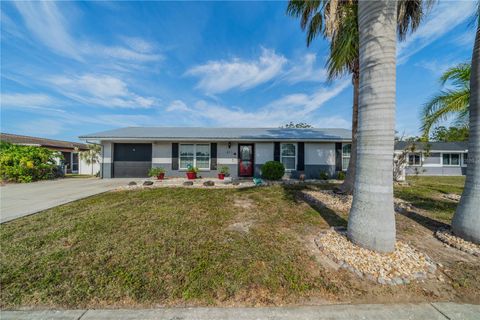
x=466, y=220
x=371, y=222
x=337, y=20
x=449, y=102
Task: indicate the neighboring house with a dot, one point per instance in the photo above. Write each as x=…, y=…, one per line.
x=69, y=150
x=434, y=158
x=132, y=151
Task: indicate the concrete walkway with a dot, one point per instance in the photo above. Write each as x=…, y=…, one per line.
x=430, y=311
x=22, y=199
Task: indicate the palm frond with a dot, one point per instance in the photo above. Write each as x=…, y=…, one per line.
x=459, y=75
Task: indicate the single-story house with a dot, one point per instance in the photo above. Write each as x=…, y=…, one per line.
x=434, y=158
x=71, y=160
x=132, y=151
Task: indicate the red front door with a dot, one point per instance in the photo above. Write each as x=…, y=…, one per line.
x=245, y=160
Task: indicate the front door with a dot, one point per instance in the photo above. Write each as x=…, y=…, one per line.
x=245, y=160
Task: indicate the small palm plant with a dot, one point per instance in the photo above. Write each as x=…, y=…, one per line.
x=453, y=101
x=92, y=155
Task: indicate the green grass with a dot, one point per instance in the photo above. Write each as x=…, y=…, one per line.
x=161, y=246
x=426, y=193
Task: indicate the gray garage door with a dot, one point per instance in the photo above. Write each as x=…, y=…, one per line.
x=132, y=160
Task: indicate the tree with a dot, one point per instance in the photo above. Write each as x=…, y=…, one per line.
x=449, y=134
x=466, y=220
x=92, y=155
x=336, y=20
x=297, y=125
x=371, y=222
x=448, y=102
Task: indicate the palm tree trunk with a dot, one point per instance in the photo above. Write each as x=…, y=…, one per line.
x=466, y=221
x=371, y=223
x=347, y=185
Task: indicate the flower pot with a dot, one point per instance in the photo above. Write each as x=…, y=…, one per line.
x=191, y=175
x=221, y=176
x=161, y=176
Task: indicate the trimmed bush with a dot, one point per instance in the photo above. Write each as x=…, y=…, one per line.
x=341, y=175
x=27, y=163
x=273, y=170
x=324, y=175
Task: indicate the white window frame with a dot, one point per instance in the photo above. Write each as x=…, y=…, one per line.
x=464, y=164
x=295, y=157
x=195, y=156
x=344, y=157
x=450, y=157
x=420, y=155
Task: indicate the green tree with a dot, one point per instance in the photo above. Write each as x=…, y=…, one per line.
x=449, y=134
x=453, y=101
x=92, y=155
x=297, y=125
x=371, y=221
x=466, y=220
x=337, y=21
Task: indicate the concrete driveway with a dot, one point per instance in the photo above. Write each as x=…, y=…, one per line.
x=18, y=200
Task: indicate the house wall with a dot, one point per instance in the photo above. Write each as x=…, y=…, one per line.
x=84, y=168
x=432, y=165
x=319, y=157
x=106, y=159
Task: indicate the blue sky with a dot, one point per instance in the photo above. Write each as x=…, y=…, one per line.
x=71, y=68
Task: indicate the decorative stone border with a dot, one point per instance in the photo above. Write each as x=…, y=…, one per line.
x=447, y=237
x=403, y=254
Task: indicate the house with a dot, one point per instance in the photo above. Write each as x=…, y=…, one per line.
x=132, y=151
x=69, y=150
x=434, y=158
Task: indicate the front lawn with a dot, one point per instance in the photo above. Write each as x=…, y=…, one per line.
x=187, y=247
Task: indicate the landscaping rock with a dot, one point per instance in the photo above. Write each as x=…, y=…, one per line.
x=132, y=183
x=188, y=183
x=209, y=183
x=447, y=236
x=148, y=183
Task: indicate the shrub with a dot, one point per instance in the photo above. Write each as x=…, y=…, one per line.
x=341, y=175
x=154, y=172
x=324, y=175
x=225, y=170
x=28, y=163
x=191, y=168
x=273, y=170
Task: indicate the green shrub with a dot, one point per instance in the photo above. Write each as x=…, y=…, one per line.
x=225, y=170
x=156, y=171
x=273, y=170
x=27, y=163
x=341, y=175
x=324, y=175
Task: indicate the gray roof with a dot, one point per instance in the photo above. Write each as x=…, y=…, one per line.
x=433, y=146
x=219, y=134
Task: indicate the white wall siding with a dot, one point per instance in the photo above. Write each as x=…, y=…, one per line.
x=162, y=152
x=84, y=168
x=226, y=155
x=319, y=153
x=263, y=152
x=107, y=152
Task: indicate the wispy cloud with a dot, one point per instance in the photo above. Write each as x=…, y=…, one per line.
x=48, y=24
x=305, y=70
x=99, y=90
x=28, y=101
x=443, y=18
x=221, y=76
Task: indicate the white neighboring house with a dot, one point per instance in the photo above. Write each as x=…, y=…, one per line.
x=70, y=151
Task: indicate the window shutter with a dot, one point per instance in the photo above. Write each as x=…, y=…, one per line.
x=338, y=156
x=174, y=156
x=301, y=156
x=276, y=151
x=213, y=156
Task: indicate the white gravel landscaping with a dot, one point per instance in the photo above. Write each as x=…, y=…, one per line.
x=447, y=236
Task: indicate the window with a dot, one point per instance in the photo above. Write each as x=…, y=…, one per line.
x=346, y=153
x=414, y=159
x=451, y=159
x=197, y=155
x=288, y=155
x=465, y=159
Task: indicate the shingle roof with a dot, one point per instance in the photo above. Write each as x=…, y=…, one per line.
x=433, y=146
x=27, y=140
x=195, y=133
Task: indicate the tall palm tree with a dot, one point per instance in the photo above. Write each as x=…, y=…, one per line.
x=466, y=220
x=449, y=102
x=371, y=222
x=337, y=21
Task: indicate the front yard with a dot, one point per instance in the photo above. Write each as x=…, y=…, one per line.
x=180, y=246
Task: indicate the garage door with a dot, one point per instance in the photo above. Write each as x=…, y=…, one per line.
x=132, y=160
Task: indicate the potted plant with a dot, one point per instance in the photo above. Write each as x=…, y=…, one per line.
x=223, y=172
x=158, y=172
x=192, y=172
